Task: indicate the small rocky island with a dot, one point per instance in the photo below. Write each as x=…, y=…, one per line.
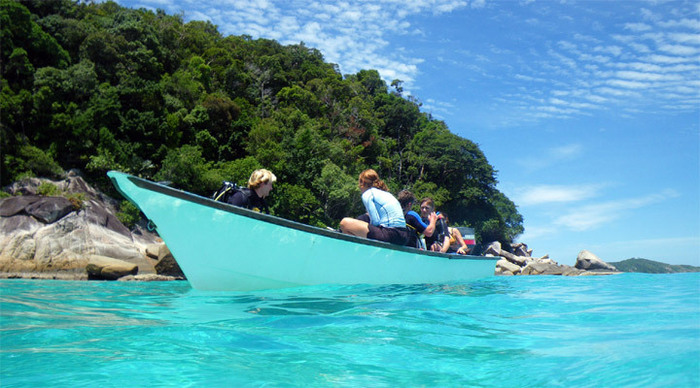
x=77, y=235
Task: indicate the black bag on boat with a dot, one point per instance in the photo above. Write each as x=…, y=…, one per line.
x=227, y=190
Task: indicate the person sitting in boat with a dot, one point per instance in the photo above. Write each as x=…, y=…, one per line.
x=416, y=226
x=259, y=187
x=457, y=244
x=439, y=241
x=386, y=220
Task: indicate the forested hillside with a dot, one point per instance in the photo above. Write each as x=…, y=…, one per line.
x=650, y=266
x=100, y=87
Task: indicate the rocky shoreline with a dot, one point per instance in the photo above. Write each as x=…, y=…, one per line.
x=81, y=238
x=77, y=236
x=518, y=260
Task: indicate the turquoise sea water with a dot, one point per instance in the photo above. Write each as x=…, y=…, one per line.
x=625, y=330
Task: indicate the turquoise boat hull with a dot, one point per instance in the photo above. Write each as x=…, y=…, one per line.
x=226, y=248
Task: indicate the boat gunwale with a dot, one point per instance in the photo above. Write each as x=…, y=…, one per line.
x=208, y=202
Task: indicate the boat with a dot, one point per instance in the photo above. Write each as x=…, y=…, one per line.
x=221, y=247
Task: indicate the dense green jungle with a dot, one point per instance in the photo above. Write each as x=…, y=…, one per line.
x=99, y=87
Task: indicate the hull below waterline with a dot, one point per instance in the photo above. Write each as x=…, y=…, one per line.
x=222, y=247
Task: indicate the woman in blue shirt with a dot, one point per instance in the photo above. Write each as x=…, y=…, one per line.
x=386, y=220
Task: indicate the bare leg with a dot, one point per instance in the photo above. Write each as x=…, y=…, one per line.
x=354, y=227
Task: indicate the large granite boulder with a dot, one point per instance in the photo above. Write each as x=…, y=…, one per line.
x=590, y=262
x=49, y=235
x=107, y=268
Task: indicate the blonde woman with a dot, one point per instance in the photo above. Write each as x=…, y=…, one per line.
x=259, y=187
x=386, y=220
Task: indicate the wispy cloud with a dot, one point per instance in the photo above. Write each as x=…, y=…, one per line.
x=437, y=107
x=354, y=35
x=548, y=194
x=551, y=156
x=591, y=216
x=633, y=66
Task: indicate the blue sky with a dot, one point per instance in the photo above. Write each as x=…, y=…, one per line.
x=589, y=110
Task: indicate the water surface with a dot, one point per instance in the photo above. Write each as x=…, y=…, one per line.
x=624, y=330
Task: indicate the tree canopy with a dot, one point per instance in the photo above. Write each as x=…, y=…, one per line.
x=96, y=86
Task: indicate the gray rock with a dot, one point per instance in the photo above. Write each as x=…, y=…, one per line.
x=505, y=267
x=152, y=250
x=25, y=187
x=598, y=272
x=535, y=268
x=493, y=249
x=22, y=247
x=107, y=268
x=15, y=205
x=571, y=271
x=66, y=243
x=589, y=261
x=98, y=214
x=19, y=222
x=166, y=263
x=49, y=209
x=148, y=278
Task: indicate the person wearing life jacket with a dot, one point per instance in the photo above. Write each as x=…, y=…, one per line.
x=440, y=239
x=415, y=224
x=259, y=187
x=386, y=220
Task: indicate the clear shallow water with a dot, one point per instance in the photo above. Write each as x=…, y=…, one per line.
x=626, y=330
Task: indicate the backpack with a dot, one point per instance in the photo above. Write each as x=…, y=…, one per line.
x=227, y=190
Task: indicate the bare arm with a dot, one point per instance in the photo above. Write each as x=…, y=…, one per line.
x=432, y=219
x=445, y=244
x=463, y=248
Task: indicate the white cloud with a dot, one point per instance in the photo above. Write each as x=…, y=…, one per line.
x=548, y=194
x=478, y=3
x=613, y=50
x=534, y=232
x=441, y=107
x=637, y=27
x=594, y=215
x=676, y=49
x=685, y=38
x=567, y=151
x=639, y=47
x=627, y=84
x=665, y=59
x=693, y=24
x=638, y=62
x=617, y=92
x=554, y=155
x=649, y=77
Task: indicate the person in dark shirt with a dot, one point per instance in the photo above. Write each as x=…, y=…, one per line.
x=414, y=222
x=440, y=239
x=259, y=187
